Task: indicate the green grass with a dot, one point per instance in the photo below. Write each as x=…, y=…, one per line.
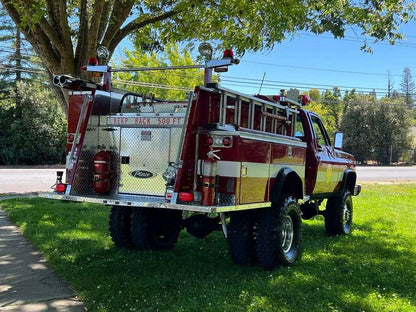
x=373, y=269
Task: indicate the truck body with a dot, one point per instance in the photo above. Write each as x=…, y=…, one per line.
x=251, y=166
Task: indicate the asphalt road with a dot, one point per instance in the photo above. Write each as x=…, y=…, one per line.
x=26, y=180
x=20, y=181
x=386, y=174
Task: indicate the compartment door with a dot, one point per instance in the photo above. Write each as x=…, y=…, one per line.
x=144, y=156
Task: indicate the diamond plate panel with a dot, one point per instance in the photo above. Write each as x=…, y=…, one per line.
x=145, y=154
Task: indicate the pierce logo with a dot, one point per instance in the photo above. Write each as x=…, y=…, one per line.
x=142, y=174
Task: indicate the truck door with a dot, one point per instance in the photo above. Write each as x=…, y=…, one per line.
x=326, y=177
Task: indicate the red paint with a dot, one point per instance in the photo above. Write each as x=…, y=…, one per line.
x=101, y=182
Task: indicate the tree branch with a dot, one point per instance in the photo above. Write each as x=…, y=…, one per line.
x=95, y=25
x=137, y=24
x=104, y=21
x=82, y=45
x=120, y=12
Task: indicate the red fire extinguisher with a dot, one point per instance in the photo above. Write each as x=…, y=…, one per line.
x=102, y=175
x=209, y=173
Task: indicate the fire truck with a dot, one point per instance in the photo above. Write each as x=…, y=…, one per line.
x=251, y=166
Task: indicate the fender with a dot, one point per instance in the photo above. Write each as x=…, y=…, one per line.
x=287, y=182
x=348, y=182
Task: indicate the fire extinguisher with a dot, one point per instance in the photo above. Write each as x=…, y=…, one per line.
x=209, y=174
x=102, y=174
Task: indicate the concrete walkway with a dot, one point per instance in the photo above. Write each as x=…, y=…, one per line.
x=27, y=284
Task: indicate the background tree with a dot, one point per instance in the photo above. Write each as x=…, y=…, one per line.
x=376, y=130
x=65, y=33
x=390, y=85
x=408, y=87
x=38, y=137
x=170, y=85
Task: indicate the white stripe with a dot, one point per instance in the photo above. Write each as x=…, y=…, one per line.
x=254, y=170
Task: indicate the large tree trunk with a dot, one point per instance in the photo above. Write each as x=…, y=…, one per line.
x=100, y=23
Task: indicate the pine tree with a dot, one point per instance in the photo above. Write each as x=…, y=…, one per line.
x=390, y=85
x=408, y=88
x=17, y=59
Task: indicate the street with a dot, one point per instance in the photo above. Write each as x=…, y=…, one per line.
x=27, y=180
x=386, y=174
x=21, y=181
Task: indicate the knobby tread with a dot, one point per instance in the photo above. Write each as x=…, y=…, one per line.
x=139, y=226
x=155, y=229
x=242, y=238
x=269, y=237
x=334, y=224
x=119, y=226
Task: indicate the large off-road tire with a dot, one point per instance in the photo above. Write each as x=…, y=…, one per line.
x=242, y=237
x=155, y=228
x=119, y=223
x=338, y=215
x=279, y=234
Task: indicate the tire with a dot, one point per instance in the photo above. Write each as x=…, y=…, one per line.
x=242, y=237
x=119, y=224
x=338, y=215
x=279, y=234
x=155, y=229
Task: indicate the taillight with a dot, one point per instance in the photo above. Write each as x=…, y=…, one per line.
x=186, y=196
x=227, y=141
x=209, y=140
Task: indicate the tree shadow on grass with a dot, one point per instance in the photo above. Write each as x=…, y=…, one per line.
x=369, y=270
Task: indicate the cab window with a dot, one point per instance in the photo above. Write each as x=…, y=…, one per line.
x=299, y=132
x=320, y=133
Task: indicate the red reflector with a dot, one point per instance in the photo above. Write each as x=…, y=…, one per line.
x=60, y=187
x=209, y=141
x=186, y=196
x=227, y=141
x=228, y=54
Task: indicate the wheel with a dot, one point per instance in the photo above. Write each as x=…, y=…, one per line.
x=279, y=234
x=119, y=222
x=338, y=215
x=242, y=237
x=155, y=228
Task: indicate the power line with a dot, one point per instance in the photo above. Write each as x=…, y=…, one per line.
x=21, y=69
x=320, y=69
x=152, y=85
x=277, y=84
x=365, y=39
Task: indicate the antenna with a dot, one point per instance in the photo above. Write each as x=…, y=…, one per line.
x=261, y=85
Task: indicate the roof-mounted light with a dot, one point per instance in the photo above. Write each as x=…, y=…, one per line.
x=103, y=54
x=206, y=50
x=228, y=54
x=92, y=61
x=305, y=99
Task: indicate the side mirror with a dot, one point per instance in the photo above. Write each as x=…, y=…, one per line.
x=339, y=137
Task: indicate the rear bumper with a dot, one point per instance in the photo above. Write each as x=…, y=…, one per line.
x=151, y=202
x=357, y=190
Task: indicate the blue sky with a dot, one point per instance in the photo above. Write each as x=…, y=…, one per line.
x=308, y=61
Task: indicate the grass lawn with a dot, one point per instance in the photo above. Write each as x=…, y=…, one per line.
x=372, y=269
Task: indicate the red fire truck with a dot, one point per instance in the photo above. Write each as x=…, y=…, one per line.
x=251, y=166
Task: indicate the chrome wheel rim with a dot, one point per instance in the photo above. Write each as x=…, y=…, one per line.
x=346, y=217
x=287, y=234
